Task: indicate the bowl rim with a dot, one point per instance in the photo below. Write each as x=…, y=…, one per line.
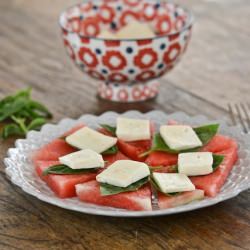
x=188, y=25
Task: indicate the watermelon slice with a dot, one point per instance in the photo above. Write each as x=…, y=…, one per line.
x=62, y=185
x=218, y=143
x=136, y=200
x=165, y=201
x=213, y=182
x=53, y=151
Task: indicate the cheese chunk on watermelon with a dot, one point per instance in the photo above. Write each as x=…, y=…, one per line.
x=136, y=200
x=133, y=150
x=62, y=185
x=213, y=182
x=165, y=201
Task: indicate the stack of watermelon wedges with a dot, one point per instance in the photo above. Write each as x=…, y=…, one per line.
x=87, y=188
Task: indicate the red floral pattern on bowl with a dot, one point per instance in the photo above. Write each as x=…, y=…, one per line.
x=127, y=68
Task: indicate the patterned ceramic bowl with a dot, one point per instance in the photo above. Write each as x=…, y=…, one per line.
x=127, y=68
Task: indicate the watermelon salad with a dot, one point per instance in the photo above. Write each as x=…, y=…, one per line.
x=121, y=166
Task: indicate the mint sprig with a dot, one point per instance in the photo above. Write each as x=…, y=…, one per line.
x=19, y=113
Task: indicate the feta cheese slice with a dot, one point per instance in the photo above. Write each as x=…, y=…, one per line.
x=180, y=137
x=87, y=138
x=135, y=30
x=132, y=129
x=171, y=182
x=122, y=173
x=83, y=159
x=192, y=164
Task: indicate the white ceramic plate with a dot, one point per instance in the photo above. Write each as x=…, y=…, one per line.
x=20, y=170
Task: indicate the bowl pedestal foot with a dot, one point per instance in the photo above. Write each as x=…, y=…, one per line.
x=136, y=92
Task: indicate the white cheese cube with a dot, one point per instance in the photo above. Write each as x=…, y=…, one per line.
x=192, y=164
x=180, y=137
x=133, y=129
x=135, y=30
x=122, y=173
x=171, y=183
x=87, y=138
x=86, y=158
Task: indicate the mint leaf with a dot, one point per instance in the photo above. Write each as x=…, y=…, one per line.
x=109, y=128
x=36, y=123
x=107, y=189
x=11, y=108
x=62, y=169
x=26, y=113
x=217, y=160
x=10, y=130
x=34, y=105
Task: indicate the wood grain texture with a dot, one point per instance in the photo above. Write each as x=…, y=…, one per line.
x=214, y=71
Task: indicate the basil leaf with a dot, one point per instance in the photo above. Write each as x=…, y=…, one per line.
x=110, y=129
x=62, y=169
x=207, y=132
x=36, y=123
x=107, y=189
x=10, y=130
x=217, y=160
x=111, y=151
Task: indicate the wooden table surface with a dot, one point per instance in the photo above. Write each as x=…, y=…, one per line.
x=215, y=71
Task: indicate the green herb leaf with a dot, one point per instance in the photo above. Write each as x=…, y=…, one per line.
x=217, y=160
x=20, y=122
x=34, y=105
x=111, y=151
x=36, y=123
x=107, y=189
x=62, y=169
x=25, y=112
x=10, y=108
x=110, y=129
x=207, y=132
x=10, y=130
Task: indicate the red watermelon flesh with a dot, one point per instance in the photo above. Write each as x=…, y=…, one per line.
x=213, y=182
x=165, y=201
x=62, y=185
x=53, y=151
x=136, y=200
x=115, y=157
x=159, y=158
x=218, y=143
x=134, y=149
